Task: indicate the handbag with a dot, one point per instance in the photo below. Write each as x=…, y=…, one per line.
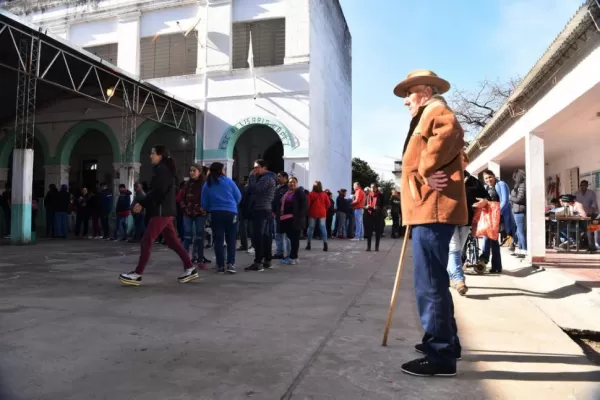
x=486, y=221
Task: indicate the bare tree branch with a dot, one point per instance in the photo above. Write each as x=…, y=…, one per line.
x=474, y=109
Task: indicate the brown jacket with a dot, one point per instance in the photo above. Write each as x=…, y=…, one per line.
x=434, y=144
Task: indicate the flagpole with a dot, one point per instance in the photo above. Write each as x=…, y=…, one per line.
x=251, y=64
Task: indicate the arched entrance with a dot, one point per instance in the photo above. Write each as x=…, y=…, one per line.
x=91, y=161
x=258, y=141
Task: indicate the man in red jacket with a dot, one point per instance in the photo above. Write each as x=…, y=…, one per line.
x=358, y=205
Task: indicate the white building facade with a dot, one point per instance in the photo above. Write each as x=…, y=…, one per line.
x=293, y=108
x=550, y=126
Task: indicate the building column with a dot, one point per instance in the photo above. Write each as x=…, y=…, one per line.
x=297, y=32
x=495, y=168
x=22, y=182
x=228, y=166
x=126, y=174
x=57, y=175
x=219, y=31
x=128, y=54
x=3, y=179
x=536, y=198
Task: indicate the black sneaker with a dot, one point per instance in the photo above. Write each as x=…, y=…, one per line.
x=424, y=367
x=189, y=275
x=206, y=261
x=307, y=246
x=195, y=260
x=325, y=247
x=255, y=267
x=268, y=265
x=420, y=348
x=220, y=270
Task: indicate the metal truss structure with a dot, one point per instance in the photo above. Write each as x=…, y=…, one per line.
x=26, y=93
x=38, y=58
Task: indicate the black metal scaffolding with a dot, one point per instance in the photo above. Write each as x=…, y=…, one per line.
x=38, y=58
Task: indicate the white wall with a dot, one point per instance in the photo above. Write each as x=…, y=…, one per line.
x=94, y=33
x=330, y=149
x=247, y=10
x=586, y=159
x=165, y=21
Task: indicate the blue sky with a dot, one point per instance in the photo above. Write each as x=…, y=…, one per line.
x=464, y=41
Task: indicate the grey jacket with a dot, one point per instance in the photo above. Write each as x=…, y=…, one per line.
x=262, y=191
x=518, y=194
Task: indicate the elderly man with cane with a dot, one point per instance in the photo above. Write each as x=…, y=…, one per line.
x=433, y=204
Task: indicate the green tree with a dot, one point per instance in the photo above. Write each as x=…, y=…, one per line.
x=363, y=173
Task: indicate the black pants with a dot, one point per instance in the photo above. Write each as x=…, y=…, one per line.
x=395, y=224
x=50, y=222
x=372, y=223
x=262, y=236
x=245, y=231
x=105, y=228
x=82, y=218
x=293, y=234
x=328, y=222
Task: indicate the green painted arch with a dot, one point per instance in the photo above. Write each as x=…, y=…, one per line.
x=142, y=133
x=76, y=132
x=233, y=133
x=7, y=144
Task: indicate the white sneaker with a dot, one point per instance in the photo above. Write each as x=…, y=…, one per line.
x=131, y=279
x=251, y=250
x=189, y=275
x=355, y=239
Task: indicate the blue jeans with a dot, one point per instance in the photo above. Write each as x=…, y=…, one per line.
x=224, y=225
x=121, y=226
x=140, y=225
x=359, y=232
x=311, y=228
x=193, y=227
x=431, y=246
x=457, y=243
x=520, y=220
x=283, y=244
x=60, y=224
x=494, y=247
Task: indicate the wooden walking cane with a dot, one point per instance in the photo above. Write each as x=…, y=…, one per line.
x=396, y=287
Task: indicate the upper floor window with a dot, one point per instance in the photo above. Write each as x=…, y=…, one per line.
x=168, y=55
x=268, y=43
x=106, y=52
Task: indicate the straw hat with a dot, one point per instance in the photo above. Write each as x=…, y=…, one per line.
x=421, y=77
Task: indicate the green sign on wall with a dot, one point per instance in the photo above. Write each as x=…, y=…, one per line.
x=235, y=130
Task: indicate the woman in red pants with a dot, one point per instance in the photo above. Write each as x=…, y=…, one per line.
x=161, y=206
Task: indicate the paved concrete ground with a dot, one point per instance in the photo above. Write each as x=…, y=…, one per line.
x=68, y=330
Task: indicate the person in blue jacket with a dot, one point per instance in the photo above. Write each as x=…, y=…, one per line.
x=497, y=191
x=220, y=198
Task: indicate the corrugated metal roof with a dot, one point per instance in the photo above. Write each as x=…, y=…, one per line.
x=579, y=22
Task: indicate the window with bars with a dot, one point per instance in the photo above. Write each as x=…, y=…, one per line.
x=168, y=55
x=268, y=43
x=106, y=52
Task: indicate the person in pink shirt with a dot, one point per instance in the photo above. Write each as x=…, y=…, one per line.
x=358, y=205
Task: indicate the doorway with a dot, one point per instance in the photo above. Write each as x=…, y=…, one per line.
x=259, y=141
